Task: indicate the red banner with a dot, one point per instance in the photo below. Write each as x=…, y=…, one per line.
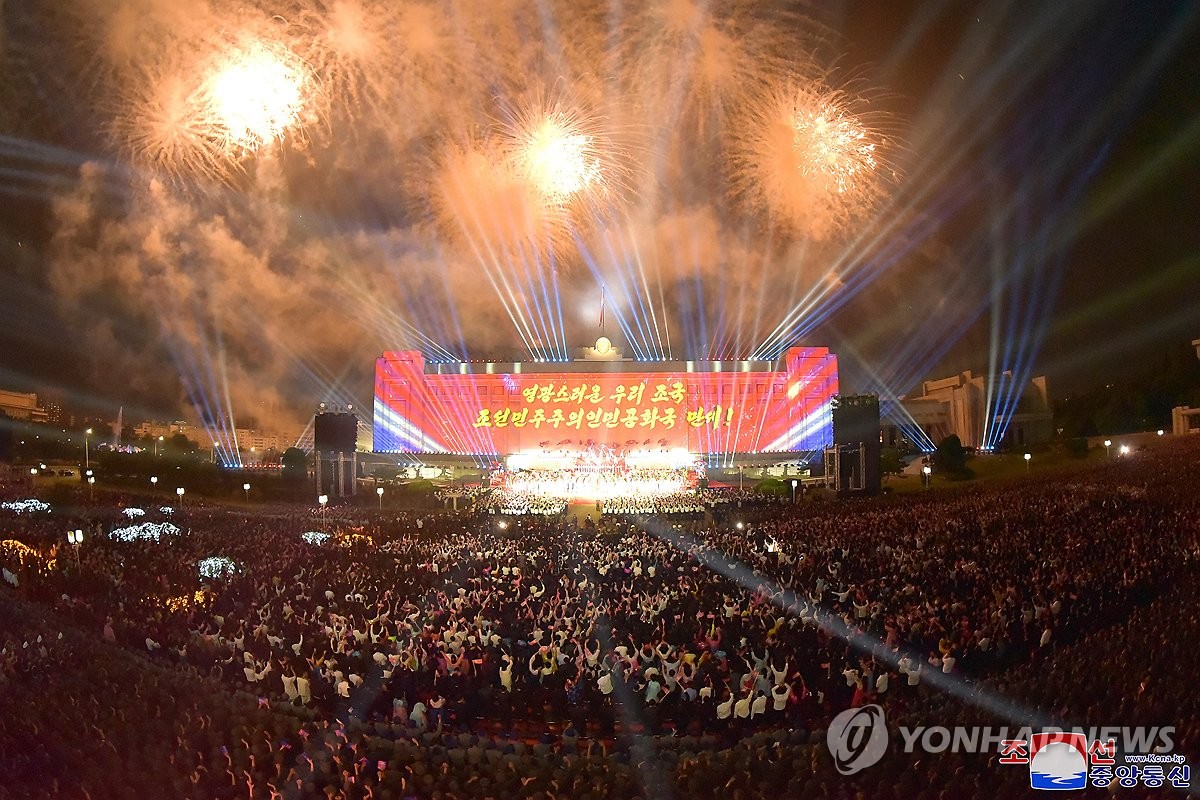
x=701, y=412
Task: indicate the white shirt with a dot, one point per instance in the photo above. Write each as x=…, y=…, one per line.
x=779, y=675
x=253, y=676
x=725, y=709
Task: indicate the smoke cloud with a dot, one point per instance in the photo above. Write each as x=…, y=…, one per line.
x=393, y=213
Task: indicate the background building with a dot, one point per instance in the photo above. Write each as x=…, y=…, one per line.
x=253, y=446
x=22, y=405
x=1185, y=419
x=982, y=412
x=152, y=430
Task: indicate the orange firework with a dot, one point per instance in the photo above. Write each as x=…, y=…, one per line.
x=813, y=157
x=254, y=95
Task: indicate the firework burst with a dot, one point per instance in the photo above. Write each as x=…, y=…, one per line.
x=515, y=140
x=703, y=61
x=254, y=95
x=553, y=153
x=813, y=157
x=348, y=45
x=501, y=214
x=163, y=127
x=571, y=156
x=187, y=127
x=832, y=147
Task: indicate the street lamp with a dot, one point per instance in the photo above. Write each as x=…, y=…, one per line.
x=91, y=483
x=179, y=491
x=1107, y=448
x=75, y=537
x=1124, y=449
x=157, y=442
x=246, y=489
x=927, y=470
x=33, y=470
x=794, y=482
x=1028, y=458
x=1160, y=431
x=86, y=456
x=153, y=482
x=379, y=491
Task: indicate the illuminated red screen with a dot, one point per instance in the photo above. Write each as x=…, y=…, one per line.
x=515, y=412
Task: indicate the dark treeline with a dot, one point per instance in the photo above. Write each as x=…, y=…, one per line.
x=1140, y=400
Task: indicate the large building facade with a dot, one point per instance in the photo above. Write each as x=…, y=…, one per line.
x=22, y=406
x=701, y=407
x=984, y=413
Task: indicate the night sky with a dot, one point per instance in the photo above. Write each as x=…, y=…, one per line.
x=1044, y=219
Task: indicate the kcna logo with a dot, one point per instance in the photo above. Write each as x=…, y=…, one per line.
x=1064, y=760
x=1057, y=761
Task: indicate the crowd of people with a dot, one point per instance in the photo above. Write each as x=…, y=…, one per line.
x=461, y=493
x=605, y=483
x=518, y=503
x=637, y=657
x=672, y=503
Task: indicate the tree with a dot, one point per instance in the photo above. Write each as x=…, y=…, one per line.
x=950, y=458
x=180, y=444
x=773, y=486
x=6, y=437
x=386, y=473
x=295, y=465
x=1139, y=398
x=889, y=461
